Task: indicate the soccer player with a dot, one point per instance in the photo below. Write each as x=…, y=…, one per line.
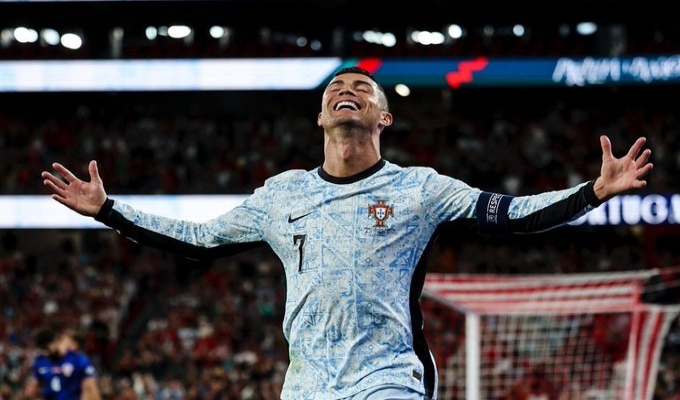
x=353, y=235
x=61, y=371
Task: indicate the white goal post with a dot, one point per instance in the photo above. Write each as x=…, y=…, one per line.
x=564, y=337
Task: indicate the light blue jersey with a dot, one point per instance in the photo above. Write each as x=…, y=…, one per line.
x=354, y=251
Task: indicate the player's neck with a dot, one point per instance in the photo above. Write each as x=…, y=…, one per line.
x=348, y=152
x=348, y=157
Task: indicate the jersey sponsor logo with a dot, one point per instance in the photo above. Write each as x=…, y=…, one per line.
x=292, y=218
x=380, y=212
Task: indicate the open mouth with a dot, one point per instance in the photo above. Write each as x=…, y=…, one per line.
x=346, y=105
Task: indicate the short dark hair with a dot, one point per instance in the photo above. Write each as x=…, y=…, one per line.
x=44, y=337
x=358, y=70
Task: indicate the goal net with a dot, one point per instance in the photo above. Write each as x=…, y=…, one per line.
x=544, y=337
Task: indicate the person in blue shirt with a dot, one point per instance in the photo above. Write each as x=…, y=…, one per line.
x=61, y=371
x=353, y=237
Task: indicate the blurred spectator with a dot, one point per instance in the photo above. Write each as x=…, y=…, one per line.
x=60, y=370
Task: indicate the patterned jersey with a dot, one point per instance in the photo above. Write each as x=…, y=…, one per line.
x=61, y=379
x=353, y=251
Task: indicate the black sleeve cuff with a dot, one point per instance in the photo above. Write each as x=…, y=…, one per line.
x=589, y=194
x=105, y=212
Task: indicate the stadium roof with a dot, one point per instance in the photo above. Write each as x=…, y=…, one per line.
x=320, y=14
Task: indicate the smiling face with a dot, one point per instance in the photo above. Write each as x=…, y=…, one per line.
x=353, y=100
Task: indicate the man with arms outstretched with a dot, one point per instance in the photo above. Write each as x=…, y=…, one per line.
x=353, y=236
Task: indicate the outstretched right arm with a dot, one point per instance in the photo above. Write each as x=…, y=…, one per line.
x=224, y=235
x=85, y=198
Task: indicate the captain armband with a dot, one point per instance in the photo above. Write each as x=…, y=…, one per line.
x=492, y=212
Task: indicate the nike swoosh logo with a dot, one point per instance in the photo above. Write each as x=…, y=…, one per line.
x=292, y=219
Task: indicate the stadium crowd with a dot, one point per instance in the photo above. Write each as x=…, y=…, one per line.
x=159, y=327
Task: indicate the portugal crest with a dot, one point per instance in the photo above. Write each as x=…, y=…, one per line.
x=380, y=212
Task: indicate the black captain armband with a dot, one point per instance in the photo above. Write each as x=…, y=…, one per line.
x=492, y=212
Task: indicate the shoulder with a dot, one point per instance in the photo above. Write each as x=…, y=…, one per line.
x=421, y=174
x=40, y=360
x=415, y=170
x=286, y=179
x=83, y=364
x=435, y=189
x=78, y=358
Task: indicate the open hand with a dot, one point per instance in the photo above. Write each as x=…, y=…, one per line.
x=619, y=175
x=86, y=198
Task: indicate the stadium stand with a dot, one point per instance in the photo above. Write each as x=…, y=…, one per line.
x=161, y=327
